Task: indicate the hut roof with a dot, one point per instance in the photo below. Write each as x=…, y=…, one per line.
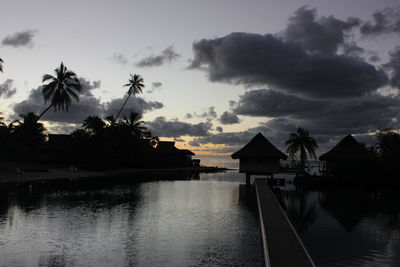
x=347, y=149
x=259, y=147
x=166, y=147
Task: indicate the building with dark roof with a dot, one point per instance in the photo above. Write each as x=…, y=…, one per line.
x=259, y=156
x=348, y=156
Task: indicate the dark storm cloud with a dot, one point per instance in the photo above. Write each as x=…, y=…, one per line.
x=119, y=58
x=88, y=105
x=154, y=86
x=269, y=103
x=385, y=21
x=325, y=117
x=168, y=55
x=228, y=118
x=20, y=39
x=322, y=35
x=327, y=121
x=7, y=89
x=254, y=59
x=174, y=128
x=394, y=66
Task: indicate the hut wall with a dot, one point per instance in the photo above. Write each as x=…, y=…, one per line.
x=258, y=165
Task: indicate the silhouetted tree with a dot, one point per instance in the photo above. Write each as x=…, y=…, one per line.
x=1, y=65
x=93, y=124
x=388, y=148
x=135, y=86
x=301, y=143
x=134, y=125
x=60, y=89
x=29, y=131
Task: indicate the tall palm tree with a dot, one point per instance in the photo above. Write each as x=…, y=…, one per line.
x=301, y=143
x=135, y=86
x=1, y=65
x=60, y=89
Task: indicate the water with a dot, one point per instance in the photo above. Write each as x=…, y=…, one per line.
x=346, y=227
x=207, y=222
x=162, y=223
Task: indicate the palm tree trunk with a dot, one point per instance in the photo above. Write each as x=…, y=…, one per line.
x=126, y=100
x=44, y=111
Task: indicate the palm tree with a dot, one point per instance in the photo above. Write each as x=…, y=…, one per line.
x=60, y=89
x=93, y=124
x=135, y=125
x=29, y=131
x=135, y=86
x=301, y=143
x=1, y=65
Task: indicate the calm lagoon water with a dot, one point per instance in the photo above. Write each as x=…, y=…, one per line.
x=208, y=221
x=346, y=226
x=161, y=223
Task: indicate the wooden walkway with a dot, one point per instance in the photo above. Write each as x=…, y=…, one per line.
x=281, y=244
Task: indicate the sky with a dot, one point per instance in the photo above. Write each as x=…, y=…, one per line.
x=216, y=72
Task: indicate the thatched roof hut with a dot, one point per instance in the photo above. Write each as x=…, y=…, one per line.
x=259, y=156
x=347, y=149
x=259, y=147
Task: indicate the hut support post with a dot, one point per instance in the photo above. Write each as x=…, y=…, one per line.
x=247, y=179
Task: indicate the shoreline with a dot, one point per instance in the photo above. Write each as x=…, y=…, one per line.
x=25, y=175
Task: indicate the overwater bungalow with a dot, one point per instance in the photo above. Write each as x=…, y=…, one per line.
x=259, y=157
x=348, y=157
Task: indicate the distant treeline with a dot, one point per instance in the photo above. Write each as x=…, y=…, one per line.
x=98, y=143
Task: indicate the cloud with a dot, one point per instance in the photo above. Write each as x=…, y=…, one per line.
x=174, y=128
x=88, y=105
x=385, y=21
x=323, y=117
x=135, y=104
x=119, y=58
x=254, y=59
x=322, y=35
x=229, y=118
x=166, y=56
x=394, y=66
x=7, y=89
x=20, y=39
x=154, y=86
x=208, y=114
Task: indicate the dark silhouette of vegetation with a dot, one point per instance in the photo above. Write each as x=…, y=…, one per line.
x=135, y=86
x=109, y=143
x=1, y=65
x=301, y=143
x=388, y=150
x=21, y=138
x=61, y=89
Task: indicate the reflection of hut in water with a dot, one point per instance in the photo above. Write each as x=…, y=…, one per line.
x=259, y=157
x=347, y=157
x=170, y=156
